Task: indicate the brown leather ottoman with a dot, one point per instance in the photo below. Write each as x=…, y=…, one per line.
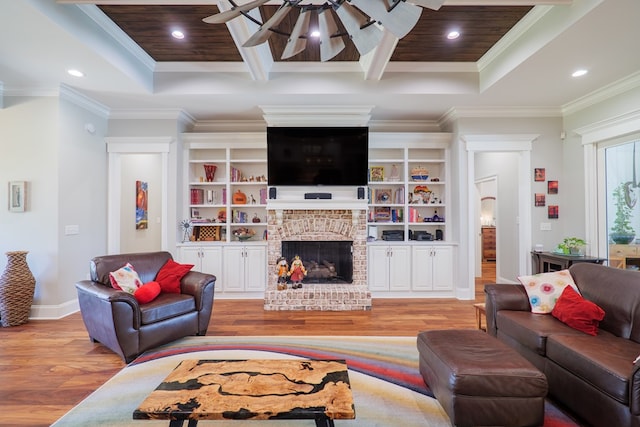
x=480, y=381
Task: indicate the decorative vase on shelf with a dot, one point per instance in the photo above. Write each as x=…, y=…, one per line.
x=17, y=286
x=210, y=172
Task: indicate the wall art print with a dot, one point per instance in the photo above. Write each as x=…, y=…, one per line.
x=539, y=174
x=17, y=196
x=142, y=213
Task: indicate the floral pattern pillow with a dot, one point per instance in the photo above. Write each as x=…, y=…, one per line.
x=544, y=289
x=125, y=279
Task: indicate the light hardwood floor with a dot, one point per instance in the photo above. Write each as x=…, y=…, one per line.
x=49, y=366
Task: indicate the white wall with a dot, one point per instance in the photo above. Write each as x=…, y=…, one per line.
x=29, y=140
x=44, y=143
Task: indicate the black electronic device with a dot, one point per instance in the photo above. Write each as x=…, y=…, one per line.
x=420, y=235
x=310, y=156
x=439, y=235
x=361, y=193
x=273, y=192
x=323, y=196
x=393, y=235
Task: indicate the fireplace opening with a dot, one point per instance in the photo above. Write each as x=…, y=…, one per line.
x=325, y=261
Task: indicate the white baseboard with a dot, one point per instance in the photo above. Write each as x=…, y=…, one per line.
x=49, y=312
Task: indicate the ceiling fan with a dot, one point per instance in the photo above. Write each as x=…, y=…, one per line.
x=361, y=19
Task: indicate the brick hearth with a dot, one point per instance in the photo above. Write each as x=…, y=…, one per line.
x=318, y=225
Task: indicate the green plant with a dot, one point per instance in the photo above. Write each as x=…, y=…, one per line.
x=571, y=245
x=622, y=221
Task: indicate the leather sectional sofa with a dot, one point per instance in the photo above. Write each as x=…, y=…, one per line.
x=595, y=377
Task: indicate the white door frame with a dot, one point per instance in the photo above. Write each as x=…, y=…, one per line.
x=516, y=143
x=116, y=147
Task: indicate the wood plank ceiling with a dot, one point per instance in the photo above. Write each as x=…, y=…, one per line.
x=150, y=26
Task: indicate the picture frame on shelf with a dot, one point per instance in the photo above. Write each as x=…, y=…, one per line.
x=376, y=173
x=382, y=214
x=17, y=196
x=384, y=195
x=195, y=213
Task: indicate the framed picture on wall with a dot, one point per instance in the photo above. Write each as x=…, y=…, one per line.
x=553, y=212
x=540, y=199
x=539, y=174
x=552, y=187
x=17, y=196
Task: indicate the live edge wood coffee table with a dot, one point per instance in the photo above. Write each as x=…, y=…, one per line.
x=251, y=389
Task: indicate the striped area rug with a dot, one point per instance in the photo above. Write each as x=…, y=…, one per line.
x=387, y=387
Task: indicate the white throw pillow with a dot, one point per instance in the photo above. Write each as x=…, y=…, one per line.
x=125, y=279
x=544, y=289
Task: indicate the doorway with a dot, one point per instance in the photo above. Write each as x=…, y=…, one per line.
x=486, y=228
x=518, y=233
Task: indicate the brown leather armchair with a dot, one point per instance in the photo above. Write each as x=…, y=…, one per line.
x=116, y=319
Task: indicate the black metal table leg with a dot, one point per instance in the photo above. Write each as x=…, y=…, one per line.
x=180, y=423
x=323, y=421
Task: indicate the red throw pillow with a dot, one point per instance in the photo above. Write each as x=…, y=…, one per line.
x=147, y=292
x=170, y=274
x=577, y=312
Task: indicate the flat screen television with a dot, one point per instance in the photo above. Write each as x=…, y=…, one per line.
x=313, y=156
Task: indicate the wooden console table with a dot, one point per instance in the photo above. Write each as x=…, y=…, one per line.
x=544, y=262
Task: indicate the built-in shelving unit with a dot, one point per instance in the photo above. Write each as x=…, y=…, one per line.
x=408, y=191
x=235, y=198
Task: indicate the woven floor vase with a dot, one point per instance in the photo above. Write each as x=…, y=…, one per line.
x=17, y=286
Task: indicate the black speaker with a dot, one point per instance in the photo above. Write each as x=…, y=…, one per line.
x=439, y=235
x=272, y=192
x=360, y=193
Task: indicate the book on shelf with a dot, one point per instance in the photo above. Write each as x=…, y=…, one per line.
x=239, y=217
x=263, y=196
x=224, y=196
x=197, y=196
x=236, y=175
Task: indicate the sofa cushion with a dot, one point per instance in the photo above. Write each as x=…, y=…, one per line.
x=531, y=329
x=614, y=290
x=604, y=361
x=147, y=292
x=125, y=279
x=575, y=311
x=166, y=306
x=170, y=274
x=544, y=289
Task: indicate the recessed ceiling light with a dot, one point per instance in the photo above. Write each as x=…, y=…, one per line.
x=452, y=35
x=177, y=34
x=315, y=33
x=579, y=73
x=75, y=73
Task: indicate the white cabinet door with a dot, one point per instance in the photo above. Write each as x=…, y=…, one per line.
x=191, y=255
x=442, y=268
x=378, y=260
x=421, y=268
x=204, y=259
x=245, y=268
x=255, y=268
x=233, y=268
x=399, y=268
x=432, y=268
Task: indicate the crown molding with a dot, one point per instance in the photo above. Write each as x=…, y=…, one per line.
x=83, y=101
x=318, y=115
x=103, y=21
x=609, y=91
x=230, y=126
x=153, y=114
x=498, y=112
x=622, y=124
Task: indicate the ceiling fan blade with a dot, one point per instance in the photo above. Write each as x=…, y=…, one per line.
x=429, y=4
x=263, y=34
x=295, y=44
x=234, y=12
x=365, y=39
x=329, y=46
x=402, y=18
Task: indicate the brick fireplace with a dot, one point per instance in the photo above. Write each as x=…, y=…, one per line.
x=343, y=225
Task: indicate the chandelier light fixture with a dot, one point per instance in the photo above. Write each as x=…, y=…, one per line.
x=363, y=21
